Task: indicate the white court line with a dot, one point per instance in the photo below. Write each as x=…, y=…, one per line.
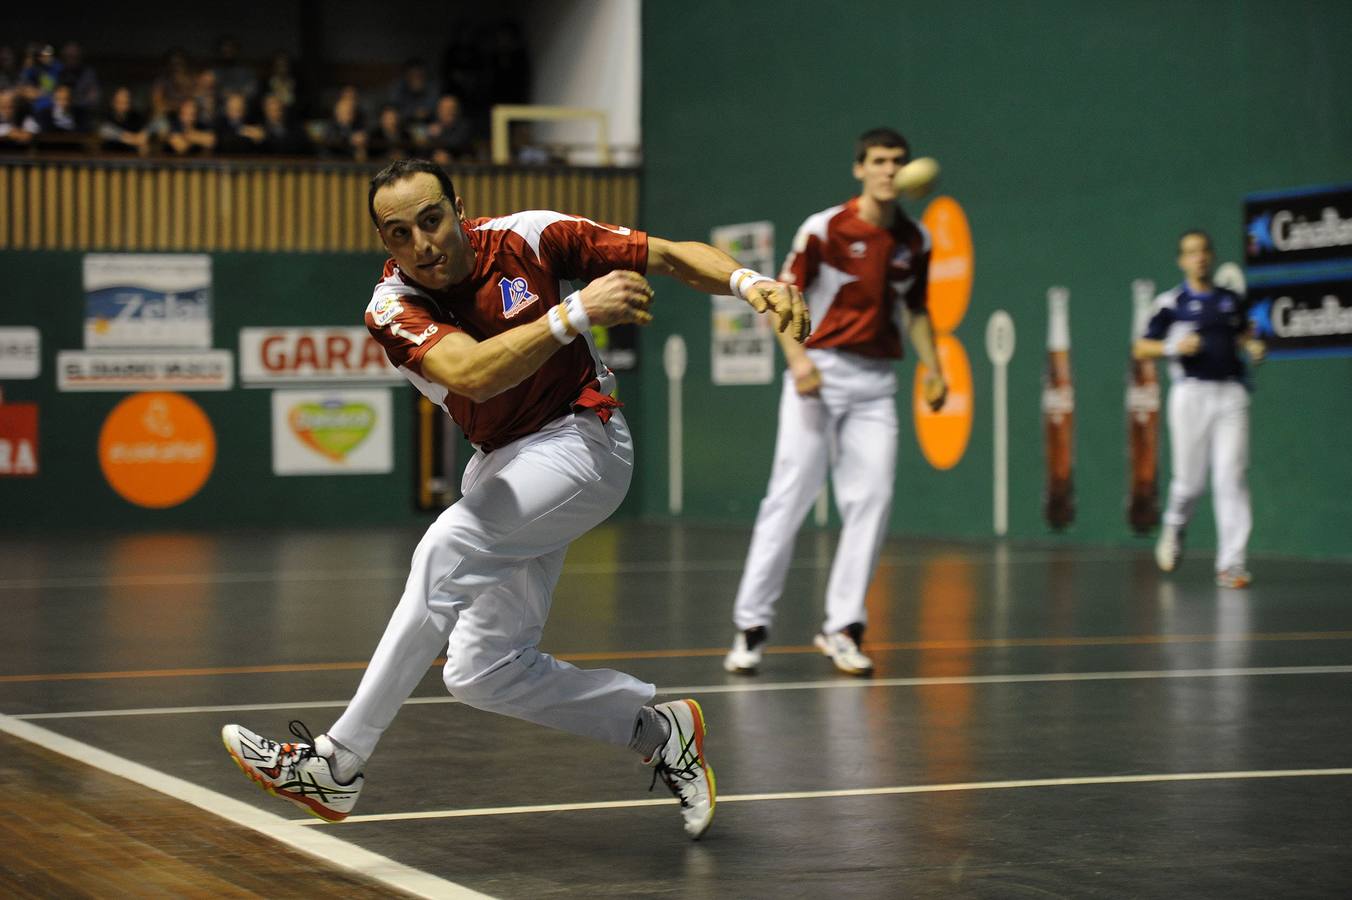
x=859, y=792
x=656, y=567
x=750, y=687
x=316, y=843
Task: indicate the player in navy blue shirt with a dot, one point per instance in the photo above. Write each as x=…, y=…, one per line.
x=1204, y=332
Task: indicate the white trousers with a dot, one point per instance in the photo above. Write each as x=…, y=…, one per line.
x=481, y=584
x=856, y=438
x=1209, y=428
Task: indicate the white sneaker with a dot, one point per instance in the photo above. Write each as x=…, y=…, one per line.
x=681, y=765
x=293, y=772
x=1169, y=548
x=1234, y=577
x=745, y=656
x=843, y=648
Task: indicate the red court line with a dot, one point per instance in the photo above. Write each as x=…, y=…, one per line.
x=872, y=646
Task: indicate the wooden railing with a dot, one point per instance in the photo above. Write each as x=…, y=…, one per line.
x=280, y=207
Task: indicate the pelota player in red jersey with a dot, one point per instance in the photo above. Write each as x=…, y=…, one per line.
x=858, y=264
x=469, y=311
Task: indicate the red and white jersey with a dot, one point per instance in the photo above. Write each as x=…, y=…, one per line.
x=519, y=261
x=855, y=275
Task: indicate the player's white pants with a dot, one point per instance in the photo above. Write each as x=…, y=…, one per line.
x=481, y=584
x=857, y=440
x=1209, y=428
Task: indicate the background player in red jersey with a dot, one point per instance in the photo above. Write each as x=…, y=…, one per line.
x=858, y=264
x=469, y=311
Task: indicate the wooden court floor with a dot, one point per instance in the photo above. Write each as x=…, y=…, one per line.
x=1045, y=721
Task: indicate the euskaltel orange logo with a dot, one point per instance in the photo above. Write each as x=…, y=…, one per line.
x=943, y=435
x=950, y=271
x=157, y=449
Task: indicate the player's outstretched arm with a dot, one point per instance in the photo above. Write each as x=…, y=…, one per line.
x=922, y=338
x=709, y=270
x=483, y=369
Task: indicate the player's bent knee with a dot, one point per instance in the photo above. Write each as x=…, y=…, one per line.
x=482, y=688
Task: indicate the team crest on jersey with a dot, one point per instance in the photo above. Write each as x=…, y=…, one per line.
x=385, y=309
x=516, y=295
x=901, y=256
x=858, y=249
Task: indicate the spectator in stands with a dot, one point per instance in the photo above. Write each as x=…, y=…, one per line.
x=525, y=150
x=206, y=92
x=343, y=138
x=60, y=117
x=450, y=136
x=413, y=94
x=188, y=134
x=123, y=130
x=39, y=77
x=86, y=92
x=235, y=134
x=9, y=68
x=389, y=139
x=172, y=86
x=16, y=128
x=281, y=135
x=232, y=75
x=282, y=80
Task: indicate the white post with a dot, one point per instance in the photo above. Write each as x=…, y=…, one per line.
x=674, y=360
x=1000, y=350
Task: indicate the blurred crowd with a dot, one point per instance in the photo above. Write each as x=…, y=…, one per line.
x=54, y=100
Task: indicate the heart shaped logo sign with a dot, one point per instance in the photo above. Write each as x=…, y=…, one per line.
x=332, y=428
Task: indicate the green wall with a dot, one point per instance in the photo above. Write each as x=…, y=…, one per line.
x=1080, y=139
x=44, y=290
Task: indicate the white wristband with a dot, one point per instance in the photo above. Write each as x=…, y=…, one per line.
x=557, y=327
x=577, y=313
x=742, y=280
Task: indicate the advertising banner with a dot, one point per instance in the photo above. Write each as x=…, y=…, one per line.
x=20, y=353
x=335, y=432
x=18, y=440
x=273, y=356
x=207, y=370
x=1311, y=317
x=743, y=342
x=147, y=301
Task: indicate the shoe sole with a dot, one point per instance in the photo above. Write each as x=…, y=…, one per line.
x=318, y=811
x=739, y=670
x=848, y=670
x=700, y=729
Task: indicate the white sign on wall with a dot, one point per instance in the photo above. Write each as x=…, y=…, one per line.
x=20, y=353
x=336, y=432
x=272, y=356
x=742, y=349
x=147, y=300
x=206, y=370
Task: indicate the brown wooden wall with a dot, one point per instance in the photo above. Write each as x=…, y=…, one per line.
x=164, y=205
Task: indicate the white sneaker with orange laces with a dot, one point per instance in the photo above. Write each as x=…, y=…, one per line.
x=293, y=771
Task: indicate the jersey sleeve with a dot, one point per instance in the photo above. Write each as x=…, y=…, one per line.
x=800, y=266
x=916, y=294
x=404, y=327
x=1161, y=317
x=583, y=249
